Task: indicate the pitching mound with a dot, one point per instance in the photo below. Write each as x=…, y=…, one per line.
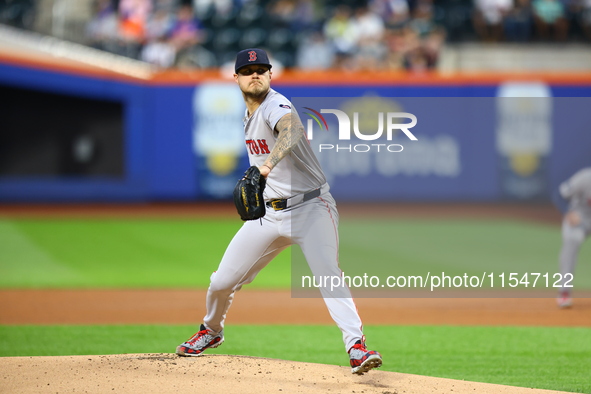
x=167, y=373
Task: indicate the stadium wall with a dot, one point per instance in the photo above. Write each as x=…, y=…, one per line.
x=178, y=136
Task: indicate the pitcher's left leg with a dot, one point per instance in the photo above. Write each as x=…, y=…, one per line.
x=314, y=227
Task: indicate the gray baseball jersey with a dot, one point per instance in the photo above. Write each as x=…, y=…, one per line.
x=311, y=224
x=297, y=173
x=577, y=190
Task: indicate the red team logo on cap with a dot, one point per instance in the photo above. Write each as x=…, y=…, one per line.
x=253, y=56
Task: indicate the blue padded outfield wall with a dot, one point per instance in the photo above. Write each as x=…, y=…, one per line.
x=185, y=143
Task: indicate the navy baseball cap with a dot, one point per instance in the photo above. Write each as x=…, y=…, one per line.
x=250, y=56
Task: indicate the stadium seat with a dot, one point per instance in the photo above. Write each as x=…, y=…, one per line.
x=208, y=35
x=226, y=57
x=226, y=39
x=279, y=39
x=456, y=17
x=17, y=13
x=286, y=58
x=250, y=15
x=227, y=19
x=252, y=38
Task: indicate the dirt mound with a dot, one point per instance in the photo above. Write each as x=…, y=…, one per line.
x=167, y=373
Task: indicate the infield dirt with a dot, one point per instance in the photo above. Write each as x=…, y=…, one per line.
x=167, y=373
x=277, y=307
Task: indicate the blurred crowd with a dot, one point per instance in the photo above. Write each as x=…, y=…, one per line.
x=317, y=35
x=156, y=31
x=527, y=20
x=309, y=34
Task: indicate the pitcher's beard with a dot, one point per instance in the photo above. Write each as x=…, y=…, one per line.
x=256, y=93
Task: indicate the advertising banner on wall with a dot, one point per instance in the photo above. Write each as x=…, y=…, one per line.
x=218, y=138
x=445, y=148
x=403, y=148
x=524, y=140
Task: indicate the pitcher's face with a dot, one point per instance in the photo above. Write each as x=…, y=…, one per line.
x=254, y=80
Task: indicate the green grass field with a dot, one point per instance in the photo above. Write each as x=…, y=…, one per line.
x=169, y=253
x=548, y=358
x=160, y=253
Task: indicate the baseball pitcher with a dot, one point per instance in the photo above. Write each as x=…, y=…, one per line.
x=298, y=209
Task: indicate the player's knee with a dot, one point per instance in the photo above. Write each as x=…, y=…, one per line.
x=219, y=289
x=221, y=285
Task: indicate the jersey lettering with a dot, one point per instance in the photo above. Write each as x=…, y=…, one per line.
x=264, y=147
x=257, y=147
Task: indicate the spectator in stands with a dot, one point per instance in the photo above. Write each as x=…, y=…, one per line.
x=579, y=12
x=488, y=18
x=186, y=31
x=432, y=45
x=159, y=53
x=518, y=22
x=315, y=53
x=422, y=18
x=281, y=12
x=159, y=24
x=371, y=48
x=394, y=12
x=103, y=29
x=421, y=40
x=415, y=56
x=368, y=24
x=169, y=6
x=296, y=15
x=158, y=50
x=343, y=35
x=306, y=16
x=133, y=17
x=550, y=20
x=364, y=40
x=417, y=60
x=396, y=46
